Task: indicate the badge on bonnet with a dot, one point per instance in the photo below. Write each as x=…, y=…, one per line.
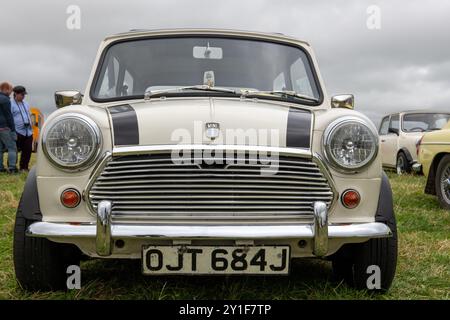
x=212, y=130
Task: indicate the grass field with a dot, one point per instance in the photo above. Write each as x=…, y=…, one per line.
x=423, y=270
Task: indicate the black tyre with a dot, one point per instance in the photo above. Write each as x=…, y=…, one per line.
x=403, y=166
x=352, y=263
x=442, y=181
x=40, y=264
x=343, y=265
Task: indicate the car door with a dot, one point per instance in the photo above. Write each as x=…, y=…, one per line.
x=383, y=132
x=389, y=142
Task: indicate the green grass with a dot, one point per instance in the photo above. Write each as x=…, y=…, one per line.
x=423, y=270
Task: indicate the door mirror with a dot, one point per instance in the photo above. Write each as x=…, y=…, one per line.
x=393, y=130
x=346, y=101
x=67, y=98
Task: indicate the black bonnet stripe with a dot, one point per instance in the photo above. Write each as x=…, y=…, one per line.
x=125, y=125
x=298, y=129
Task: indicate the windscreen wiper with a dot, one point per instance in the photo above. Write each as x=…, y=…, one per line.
x=242, y=93
x=278, y=93
x=158, y=93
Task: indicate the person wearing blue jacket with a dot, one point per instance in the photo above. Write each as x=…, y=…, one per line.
x=8, y=135
x=24, y=130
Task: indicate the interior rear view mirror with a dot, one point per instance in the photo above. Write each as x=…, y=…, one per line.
x=208, y=52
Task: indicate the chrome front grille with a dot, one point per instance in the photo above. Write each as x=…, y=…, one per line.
x=152, y=188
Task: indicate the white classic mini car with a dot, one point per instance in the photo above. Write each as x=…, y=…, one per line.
x=206, y=152
x=400, y=135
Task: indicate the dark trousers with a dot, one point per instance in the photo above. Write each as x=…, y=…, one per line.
x=24, y=145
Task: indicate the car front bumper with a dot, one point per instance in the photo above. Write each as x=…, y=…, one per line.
x=104, y=231
x=417, y=168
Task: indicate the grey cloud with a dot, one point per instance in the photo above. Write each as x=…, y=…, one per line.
x=404, y=65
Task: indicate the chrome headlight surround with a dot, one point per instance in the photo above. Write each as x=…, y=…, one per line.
x=331, y=130
x=90, y=125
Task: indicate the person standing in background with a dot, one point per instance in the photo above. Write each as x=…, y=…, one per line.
x=22, y=120
x=7, y=128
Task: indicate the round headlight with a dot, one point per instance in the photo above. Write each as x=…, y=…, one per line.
x=72, y=141
x=350, y=144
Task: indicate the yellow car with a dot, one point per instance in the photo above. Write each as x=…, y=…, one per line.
x=434, y=155
x=37, y=121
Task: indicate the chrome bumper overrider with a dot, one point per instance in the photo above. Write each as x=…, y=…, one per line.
x=104, y=231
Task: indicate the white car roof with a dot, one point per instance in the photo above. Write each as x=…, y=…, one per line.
x=208, y=31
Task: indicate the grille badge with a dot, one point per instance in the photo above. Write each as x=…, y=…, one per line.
x=212, y=130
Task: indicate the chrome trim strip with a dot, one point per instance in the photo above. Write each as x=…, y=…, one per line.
x=435, y=143
x=103, y=229
x=66, y=230
x=94, y=175
x=320, y=229
x=317, y=159
x=119, y=151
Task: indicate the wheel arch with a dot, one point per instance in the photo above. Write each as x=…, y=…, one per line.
x=430, y=187
x=385, y=210
x=407, y=154
x=30, y=198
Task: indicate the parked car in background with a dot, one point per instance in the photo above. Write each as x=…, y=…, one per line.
x=434, y=156
x=400, y=134
x=37, y=121
x=205, y=151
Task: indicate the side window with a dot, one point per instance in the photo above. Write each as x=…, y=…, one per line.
x=116, y=82
x=439, y=123
x=128, y=84
x=109, y=83
x=279, y=84
x=395, y=122
x=384, y=126
x=300, y=80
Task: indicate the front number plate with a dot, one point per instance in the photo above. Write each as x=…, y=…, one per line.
x=215, y=260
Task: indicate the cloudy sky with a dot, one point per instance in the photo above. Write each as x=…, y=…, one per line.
x=405, y=64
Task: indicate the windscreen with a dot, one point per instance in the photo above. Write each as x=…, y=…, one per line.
x=132, y=68
x=420, y=122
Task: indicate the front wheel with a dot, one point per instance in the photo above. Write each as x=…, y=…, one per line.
x=403, y=165
x=359, y=265
x=371, y=265
x=40, y=264
x=443, y=182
